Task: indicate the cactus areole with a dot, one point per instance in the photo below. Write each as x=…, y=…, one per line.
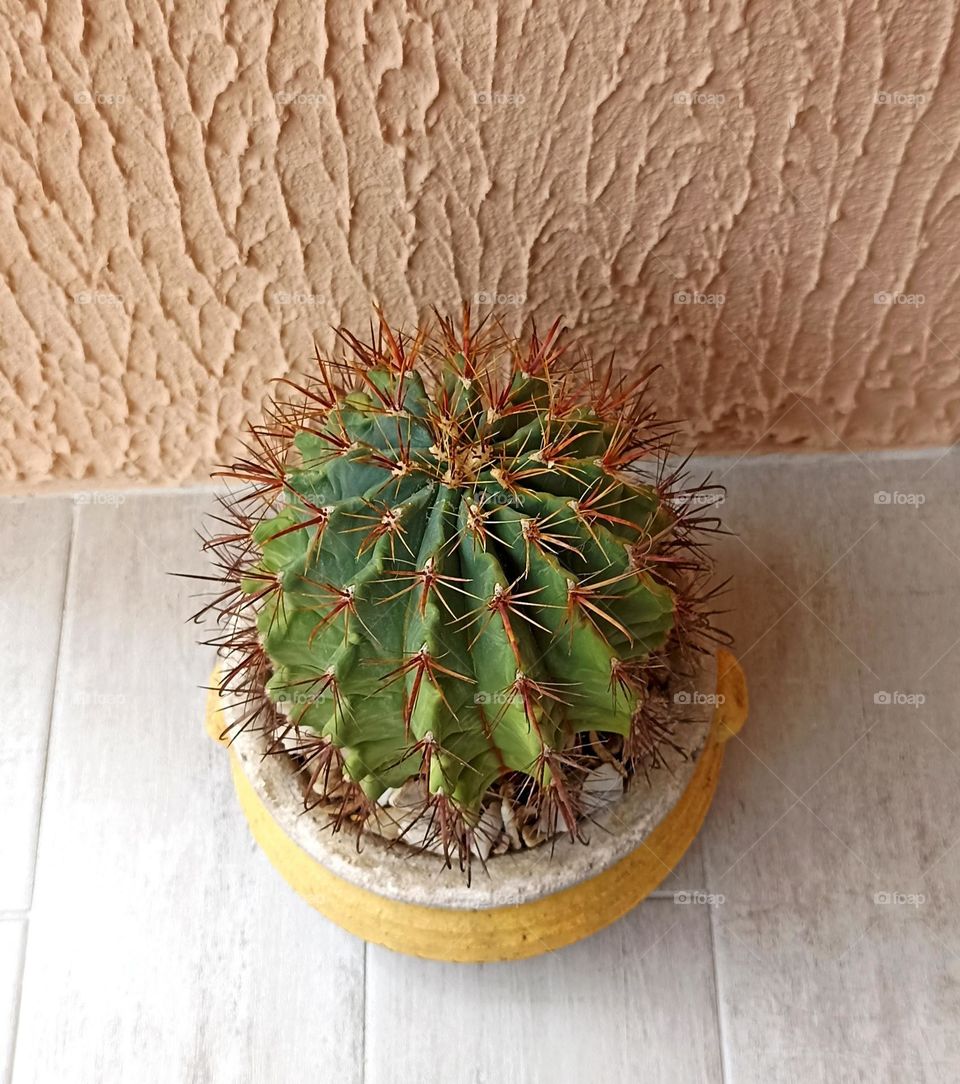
x=460, y=559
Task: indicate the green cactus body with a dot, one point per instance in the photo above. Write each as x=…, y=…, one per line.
x=454, y=584
x=479, y=621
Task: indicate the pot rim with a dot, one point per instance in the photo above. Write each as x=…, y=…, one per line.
x=516, y=877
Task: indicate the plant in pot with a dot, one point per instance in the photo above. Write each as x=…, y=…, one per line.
x=469, y=679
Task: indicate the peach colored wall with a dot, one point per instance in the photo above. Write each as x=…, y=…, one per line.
x=189, y=197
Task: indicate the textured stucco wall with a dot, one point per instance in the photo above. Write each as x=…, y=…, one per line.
x=190, y=194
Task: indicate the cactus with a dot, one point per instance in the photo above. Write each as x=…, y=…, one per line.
x=459, y=560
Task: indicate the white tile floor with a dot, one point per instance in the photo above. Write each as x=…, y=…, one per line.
x=144, y=938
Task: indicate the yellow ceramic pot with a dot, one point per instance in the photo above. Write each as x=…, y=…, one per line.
x=447, y=923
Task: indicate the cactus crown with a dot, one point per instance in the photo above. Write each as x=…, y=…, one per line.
x=460, y=560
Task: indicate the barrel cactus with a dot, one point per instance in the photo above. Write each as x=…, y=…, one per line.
x=459, y=563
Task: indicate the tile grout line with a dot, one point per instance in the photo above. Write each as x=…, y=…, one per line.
x=71, y=551
x=26, y=915
x=18, y=997
x=725, y=1074
x=363, y=1018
